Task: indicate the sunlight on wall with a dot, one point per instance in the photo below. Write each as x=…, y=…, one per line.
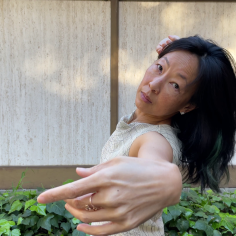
x=177, y=16
x=148, y=5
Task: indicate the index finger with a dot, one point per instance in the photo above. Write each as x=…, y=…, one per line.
x=75, y=189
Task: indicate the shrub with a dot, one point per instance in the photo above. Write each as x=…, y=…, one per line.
x=207, y=214
x=198, y=214
x=20, y=214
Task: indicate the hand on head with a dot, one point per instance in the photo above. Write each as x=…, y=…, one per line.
x=164, y=42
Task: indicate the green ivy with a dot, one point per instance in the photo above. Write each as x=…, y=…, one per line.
x=21, y=214
x=207, y=214
x=196, y=214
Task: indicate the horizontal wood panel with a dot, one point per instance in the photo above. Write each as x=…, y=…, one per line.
x=49, y=177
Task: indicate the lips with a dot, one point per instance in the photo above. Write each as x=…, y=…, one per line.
x=145, y=98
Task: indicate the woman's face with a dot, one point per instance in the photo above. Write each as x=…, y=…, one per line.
x=163, y=91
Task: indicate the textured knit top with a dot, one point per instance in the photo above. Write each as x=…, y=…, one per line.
x=119, y=145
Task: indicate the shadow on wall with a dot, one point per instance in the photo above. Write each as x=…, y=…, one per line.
x=55, y=82
x=55, y=70
x=143, y=25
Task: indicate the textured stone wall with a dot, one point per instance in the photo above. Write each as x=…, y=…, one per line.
x=55, y=70
x=143, y=25
x=55, y=82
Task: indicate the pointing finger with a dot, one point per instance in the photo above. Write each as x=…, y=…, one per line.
x=72, y=190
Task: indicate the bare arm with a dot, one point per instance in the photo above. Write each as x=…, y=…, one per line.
x=130, y=190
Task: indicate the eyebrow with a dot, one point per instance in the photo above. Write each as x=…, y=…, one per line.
x=168, y=63
x=182, y=76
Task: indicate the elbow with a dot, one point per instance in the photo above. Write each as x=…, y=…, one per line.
x=176, y=184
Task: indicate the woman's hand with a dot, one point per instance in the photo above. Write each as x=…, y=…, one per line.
x=165, y=42
x=129, y=192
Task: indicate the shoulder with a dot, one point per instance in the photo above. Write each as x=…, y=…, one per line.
x=154, y=143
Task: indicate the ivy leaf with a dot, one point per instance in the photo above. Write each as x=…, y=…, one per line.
x=76, y=221
x=2, y=230
x=20, y=219
x=166, y=218
x=194, y=196
x=29, y=203
x=45, y=222
x=173, y=233
x=29, y=233
x=201, y=214
x=227, y=201
x=7, y=207
x=203, y=225
x=215, y=198
x=56, y=207
x=216, y=233
x=68, y=181
x=68, y=215
x=192, y=223
x=18, y=197
x=66, y=226
x=211, y=209
x=54, y=221
x=33, y=220
x=219, y=205
x=26, y=221
x=233, y=209
x=184, y=203
x=182, y=225
x=227, y=223
x=16, y=206
x=26, y=213
x=40, y=209
x=2, y=222
x=15, y=232
x=174, y=211
x=188, y=213
x=165, y=210
x=78, y=233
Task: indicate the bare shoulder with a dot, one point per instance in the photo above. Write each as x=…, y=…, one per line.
x=151, y=145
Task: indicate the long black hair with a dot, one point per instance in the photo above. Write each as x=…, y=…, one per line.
x=208, y=132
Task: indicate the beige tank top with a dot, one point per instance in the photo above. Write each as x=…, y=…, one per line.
x=119, y=145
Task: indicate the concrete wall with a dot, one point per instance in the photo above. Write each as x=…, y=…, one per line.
x=55, y=82
x=55, y=70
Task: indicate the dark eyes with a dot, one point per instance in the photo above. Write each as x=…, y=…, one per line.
x=160, y=68
x=176, y=86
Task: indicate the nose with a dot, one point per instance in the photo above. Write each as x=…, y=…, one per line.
x=155, y=85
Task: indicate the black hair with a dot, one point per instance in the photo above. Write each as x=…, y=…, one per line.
x=208, y=132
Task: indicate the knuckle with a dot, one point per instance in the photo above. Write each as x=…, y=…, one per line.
x=72, y=191
x=120, y=213
x=85, y=218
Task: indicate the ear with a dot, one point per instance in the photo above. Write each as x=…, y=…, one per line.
x=189, y=107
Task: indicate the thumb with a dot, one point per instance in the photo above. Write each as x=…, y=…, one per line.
x=85, y=172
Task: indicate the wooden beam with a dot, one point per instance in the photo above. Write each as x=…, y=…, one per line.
x=114, y=64
x=52, y=176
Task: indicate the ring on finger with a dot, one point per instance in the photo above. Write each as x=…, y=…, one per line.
x=91, y=204
x=91, y=207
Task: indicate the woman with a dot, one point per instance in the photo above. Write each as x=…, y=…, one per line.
x=189, y=93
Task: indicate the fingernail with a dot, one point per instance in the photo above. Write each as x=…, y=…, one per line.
x=80, y=168
x=40, y=199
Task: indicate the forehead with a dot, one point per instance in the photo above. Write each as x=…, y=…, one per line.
x=182, y=62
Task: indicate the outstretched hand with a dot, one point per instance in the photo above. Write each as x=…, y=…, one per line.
x=129, y=191
x=164, y=42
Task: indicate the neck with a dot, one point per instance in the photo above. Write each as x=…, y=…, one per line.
x=142, y=117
